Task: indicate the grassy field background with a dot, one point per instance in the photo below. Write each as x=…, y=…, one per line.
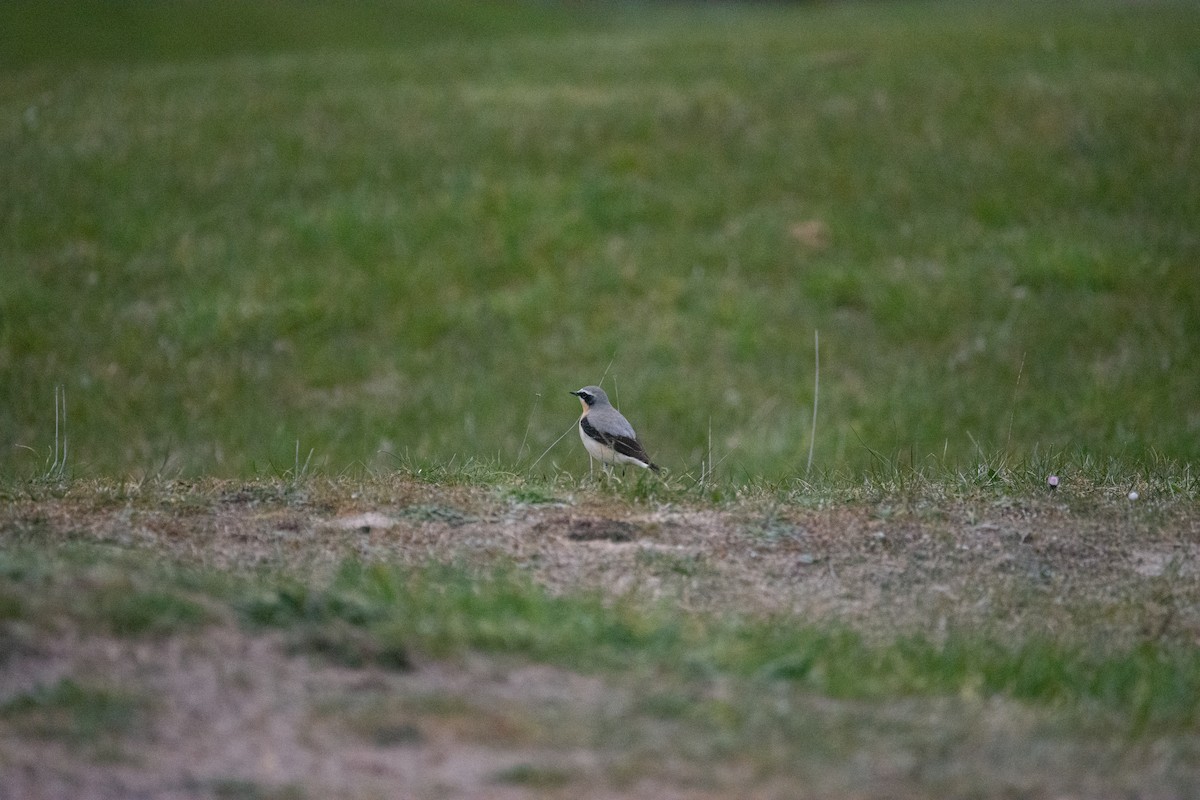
x=401, y=232
x=292, y=296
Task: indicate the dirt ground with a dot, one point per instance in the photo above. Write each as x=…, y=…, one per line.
x=236, y=714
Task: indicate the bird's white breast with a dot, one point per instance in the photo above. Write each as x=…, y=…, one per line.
x=597, y=450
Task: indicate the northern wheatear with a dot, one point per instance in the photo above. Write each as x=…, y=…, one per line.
x=606, y=434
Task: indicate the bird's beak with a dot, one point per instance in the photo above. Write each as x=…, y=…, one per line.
x=574, y=393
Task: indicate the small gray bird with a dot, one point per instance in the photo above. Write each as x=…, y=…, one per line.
x=606, y=434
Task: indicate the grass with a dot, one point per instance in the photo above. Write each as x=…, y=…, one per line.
x=157, y=612
x=994, y=633
x=381, y=614
x=446, y=612
x=398, y=237
x=87, y=32
x=73, y=712
x=236, y=789
x=353, y=259
x=533, y=776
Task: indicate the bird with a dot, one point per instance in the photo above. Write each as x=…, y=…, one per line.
x=606, y=434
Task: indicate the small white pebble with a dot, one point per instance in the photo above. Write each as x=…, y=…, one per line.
x=1133, y=495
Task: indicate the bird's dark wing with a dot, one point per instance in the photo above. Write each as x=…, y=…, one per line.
x=630, y=447
x=625, y=445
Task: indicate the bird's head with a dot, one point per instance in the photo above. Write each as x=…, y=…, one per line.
x=590, y=396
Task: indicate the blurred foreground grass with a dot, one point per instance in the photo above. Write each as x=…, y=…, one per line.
x=382, y=614
x=410, y=229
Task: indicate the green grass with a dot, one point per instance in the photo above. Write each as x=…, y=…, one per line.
x=85, y=32
x=153, y=612
x=406, y=229
x=381, y=614
x=237, y=789
x=445, y=611
x=73, y=712
x=533, y=776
